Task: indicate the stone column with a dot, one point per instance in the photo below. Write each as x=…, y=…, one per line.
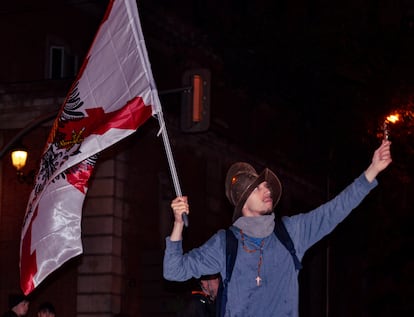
x=100, y=273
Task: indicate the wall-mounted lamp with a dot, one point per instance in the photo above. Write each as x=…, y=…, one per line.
x=19, y=158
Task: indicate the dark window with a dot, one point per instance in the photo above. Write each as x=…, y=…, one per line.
x=61, y=63
x=56, y=62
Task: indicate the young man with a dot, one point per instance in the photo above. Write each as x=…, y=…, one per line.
x=18, y=306
x=264, y=279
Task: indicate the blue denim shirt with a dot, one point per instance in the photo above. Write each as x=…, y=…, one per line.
x=278, y=294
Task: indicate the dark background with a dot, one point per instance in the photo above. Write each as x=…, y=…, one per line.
x=312, y=80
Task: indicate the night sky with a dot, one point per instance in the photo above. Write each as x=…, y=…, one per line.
x=308, y=80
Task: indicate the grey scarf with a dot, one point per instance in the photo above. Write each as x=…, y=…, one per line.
x=256, y=227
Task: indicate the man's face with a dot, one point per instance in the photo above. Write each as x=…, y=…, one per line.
x=211, y=287
x=45, y=313
x=21, y=308
x=260, y=202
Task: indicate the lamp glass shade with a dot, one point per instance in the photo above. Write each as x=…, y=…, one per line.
x=19, y=158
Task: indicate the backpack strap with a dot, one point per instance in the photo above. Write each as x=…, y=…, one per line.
x=231, y=254
x=284, y=237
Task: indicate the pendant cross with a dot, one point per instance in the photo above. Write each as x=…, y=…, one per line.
x=258, y=280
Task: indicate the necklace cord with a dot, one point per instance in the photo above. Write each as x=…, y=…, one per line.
x=259, y=264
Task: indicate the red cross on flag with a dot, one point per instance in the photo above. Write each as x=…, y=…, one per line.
x=114, y=94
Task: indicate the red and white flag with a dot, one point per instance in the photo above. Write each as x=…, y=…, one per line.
x=114, y=94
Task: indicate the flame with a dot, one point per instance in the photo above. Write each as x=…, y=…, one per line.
x=393, y=118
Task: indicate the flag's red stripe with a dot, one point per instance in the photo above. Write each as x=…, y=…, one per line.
x=98, y=122
x=79, y=175
x=129, y=117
